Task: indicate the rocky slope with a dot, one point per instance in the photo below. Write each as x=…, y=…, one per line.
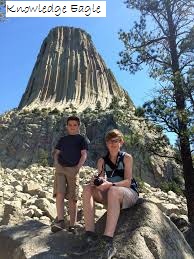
x=70, y=72
x=148, y=234
x=23, y=133
x=27, y=209
x=27, y=194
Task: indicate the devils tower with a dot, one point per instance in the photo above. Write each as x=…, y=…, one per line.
x=69, y=71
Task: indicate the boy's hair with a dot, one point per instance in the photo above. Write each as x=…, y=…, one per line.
x=73, y=118
x=115, y=133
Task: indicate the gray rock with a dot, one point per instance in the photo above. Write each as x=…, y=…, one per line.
x=28, y=212
x=143, y=232
x=169, y=208
x=11, y=215
x=48, y=209
x=180, y=221
x=32, y=187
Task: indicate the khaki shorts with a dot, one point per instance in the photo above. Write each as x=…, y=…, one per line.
x=66, y=181
x=130, y=197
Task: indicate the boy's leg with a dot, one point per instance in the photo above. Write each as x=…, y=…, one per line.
x=72, y=204
x=72, y=194
x=60, y=205
x=59, y=194
x=59, y=223
x=59, y=190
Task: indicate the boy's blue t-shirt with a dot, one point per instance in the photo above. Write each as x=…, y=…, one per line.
x=70, y=147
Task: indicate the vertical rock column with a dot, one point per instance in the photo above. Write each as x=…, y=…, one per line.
x=68, y=70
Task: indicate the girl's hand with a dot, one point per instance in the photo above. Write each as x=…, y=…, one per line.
x=104, y=186
x=92, y=181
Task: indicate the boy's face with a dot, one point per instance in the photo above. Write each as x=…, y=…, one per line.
x=72, y=127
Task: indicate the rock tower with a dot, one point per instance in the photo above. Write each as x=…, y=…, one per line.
x=69, y=72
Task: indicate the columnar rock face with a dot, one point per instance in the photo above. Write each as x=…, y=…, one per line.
x=70, y=73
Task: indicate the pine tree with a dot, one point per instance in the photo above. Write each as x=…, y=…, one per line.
x=162, y=39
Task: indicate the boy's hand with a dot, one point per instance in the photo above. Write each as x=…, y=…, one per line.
x=78, y=167
x=56, y=162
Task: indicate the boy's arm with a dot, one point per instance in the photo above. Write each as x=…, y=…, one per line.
x=82, y=158
x=55, y=155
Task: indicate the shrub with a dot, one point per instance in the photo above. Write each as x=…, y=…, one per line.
x=139, y=112
x=43, y=157
x=171, y=186
x=140, y=184
x=55, y=112
x=37, y=112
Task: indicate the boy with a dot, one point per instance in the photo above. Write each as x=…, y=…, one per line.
x=69, y=156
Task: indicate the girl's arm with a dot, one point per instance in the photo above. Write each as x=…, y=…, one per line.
x=100, y=167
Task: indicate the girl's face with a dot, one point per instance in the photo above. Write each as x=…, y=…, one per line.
x=114, y=144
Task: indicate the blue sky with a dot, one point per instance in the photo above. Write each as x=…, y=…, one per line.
x=21, y=39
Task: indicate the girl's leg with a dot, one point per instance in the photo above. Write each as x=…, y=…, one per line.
x=115, y=198
x=90, y=195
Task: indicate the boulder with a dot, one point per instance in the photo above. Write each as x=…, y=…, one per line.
x=48, y=209
x=142, y=232
x=168, y=208
x=145, y=232
x=11, y=214
x=32, y=188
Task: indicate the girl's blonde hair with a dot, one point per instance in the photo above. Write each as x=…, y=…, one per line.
x=114, y=133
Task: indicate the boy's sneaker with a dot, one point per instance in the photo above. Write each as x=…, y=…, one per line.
x=89, y=245
x=72, y=230
x=106, y=249
x=57, y=225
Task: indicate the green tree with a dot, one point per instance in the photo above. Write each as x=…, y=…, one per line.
x=114, y=103
x=189, y=86
x=98, y=106
x=43, y=157
x=139, y=112
x=162, y=39
x=73, y=109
